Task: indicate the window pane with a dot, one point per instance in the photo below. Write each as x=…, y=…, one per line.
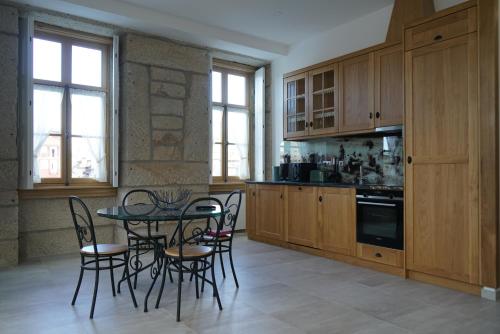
x=88, y=143
x=86, y=66
x=49, y=158
x=47, y=118
x=217, y=124
x=237, y=131
x=216, y=86
x=46, y=60
x=217, y=160
x=236, y=89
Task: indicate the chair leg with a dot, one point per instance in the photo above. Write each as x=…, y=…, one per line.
x=179, y=292
x=214, y=284
x=232, y=266
x=78, y=286
x=204, y=275
x=112, y=276
x=96, y=286
x=221, y=262
x=129, y=283
x=162, y=283
x=136, y=263
x=195, y=272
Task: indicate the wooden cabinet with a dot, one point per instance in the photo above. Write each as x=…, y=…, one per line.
x=295, y=119
x=269, y=211
x=356, y=93
x=323, y=100
x=389, y=87
x=337, y=220
x=301, y=223
x=441, y=190
x=250, y=196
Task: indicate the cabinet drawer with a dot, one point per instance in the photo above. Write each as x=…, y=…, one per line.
x=450, y=26
x=392, y=257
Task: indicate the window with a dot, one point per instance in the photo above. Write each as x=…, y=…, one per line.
x=230, y=125
x=70, y=107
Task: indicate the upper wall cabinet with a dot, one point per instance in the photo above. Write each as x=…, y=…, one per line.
x=356, y=93
x=295, y=101
x=389, y=88
x=323, y=100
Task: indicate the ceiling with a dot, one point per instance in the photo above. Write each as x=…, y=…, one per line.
x=263, y=29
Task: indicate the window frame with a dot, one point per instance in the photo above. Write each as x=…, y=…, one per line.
x=69, y=38
x=247, y=74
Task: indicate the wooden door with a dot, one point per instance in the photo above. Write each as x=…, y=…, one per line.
x=356, y=94
x=323, y=100
x=389, y=88
x=250, y=196
x=295, y=121
x=337, y=220
x=441, y=193
x=301, y=215
x=269, y=211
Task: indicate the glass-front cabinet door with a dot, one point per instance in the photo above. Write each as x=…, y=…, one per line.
x=323, y=100
x=295, y=106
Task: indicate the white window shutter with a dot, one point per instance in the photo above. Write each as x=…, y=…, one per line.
x=115, y=96
x=25, y=106
x=260, y=120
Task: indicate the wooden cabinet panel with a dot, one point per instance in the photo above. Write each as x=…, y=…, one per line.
x=392, y=257
x=356, y=93
x=250, y=196
x=323, y=100
x=389, y=88
x=440, y=29
x=269, y=211
x=441, y=193
x=295, y=99
x=301, y=215
x=337, y=220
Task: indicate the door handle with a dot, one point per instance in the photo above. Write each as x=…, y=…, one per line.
x=377, y=204
x=378, y=255
x=320, y=198
x=371, y=115
x=409, y=160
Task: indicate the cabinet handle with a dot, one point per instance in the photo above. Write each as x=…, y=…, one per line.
x=300, y=188
x=409, y=160
x=307, y=125
x=311, y=124
x=320, y=198
x=371, y=115
x=253, y=194
x=438, y=37
x=378, y=255
x=281, y=196
x=377, y=114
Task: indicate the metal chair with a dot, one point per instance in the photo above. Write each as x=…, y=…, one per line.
x=140, y=241
x=93, y=254
x=224, y=242
x=183, y=248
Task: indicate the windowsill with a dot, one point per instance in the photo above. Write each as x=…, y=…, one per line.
x=225, y=187
x=58, y=191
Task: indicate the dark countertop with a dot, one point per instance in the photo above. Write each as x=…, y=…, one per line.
x=331, y=184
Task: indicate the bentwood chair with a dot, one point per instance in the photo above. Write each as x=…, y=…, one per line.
x=139, y=242
x=94, y=256
x=224, y=242
x=184, y=255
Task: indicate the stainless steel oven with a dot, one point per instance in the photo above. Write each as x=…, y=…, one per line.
x=380, y=218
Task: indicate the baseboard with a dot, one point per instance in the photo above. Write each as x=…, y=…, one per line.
x=490, y=293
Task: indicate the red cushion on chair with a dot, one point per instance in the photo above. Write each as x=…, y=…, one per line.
x=223, y=233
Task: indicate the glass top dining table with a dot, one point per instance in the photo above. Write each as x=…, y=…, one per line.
x=146, y=214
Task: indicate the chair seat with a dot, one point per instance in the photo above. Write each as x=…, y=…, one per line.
x=105, y=249
x=208, y=238
x=189, y=251
x=144, y=235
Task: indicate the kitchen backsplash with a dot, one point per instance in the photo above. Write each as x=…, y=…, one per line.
x=380, y=157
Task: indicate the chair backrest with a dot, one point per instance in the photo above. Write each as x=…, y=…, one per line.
x=138, y=196
x=233, y=203
x=84, y=225
x=187, y=234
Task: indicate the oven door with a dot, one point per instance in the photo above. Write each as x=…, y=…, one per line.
x=380, y=222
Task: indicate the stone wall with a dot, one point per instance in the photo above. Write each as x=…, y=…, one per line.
x=8, y=133
x=164, y=116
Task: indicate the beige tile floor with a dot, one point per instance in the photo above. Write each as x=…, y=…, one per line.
x=281, y=291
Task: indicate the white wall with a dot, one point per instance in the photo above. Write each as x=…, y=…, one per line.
x=361, y=33
x=240, y=224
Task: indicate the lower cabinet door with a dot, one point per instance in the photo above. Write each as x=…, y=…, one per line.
x=269, y=211
x=301, y=215
x=337, y=220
